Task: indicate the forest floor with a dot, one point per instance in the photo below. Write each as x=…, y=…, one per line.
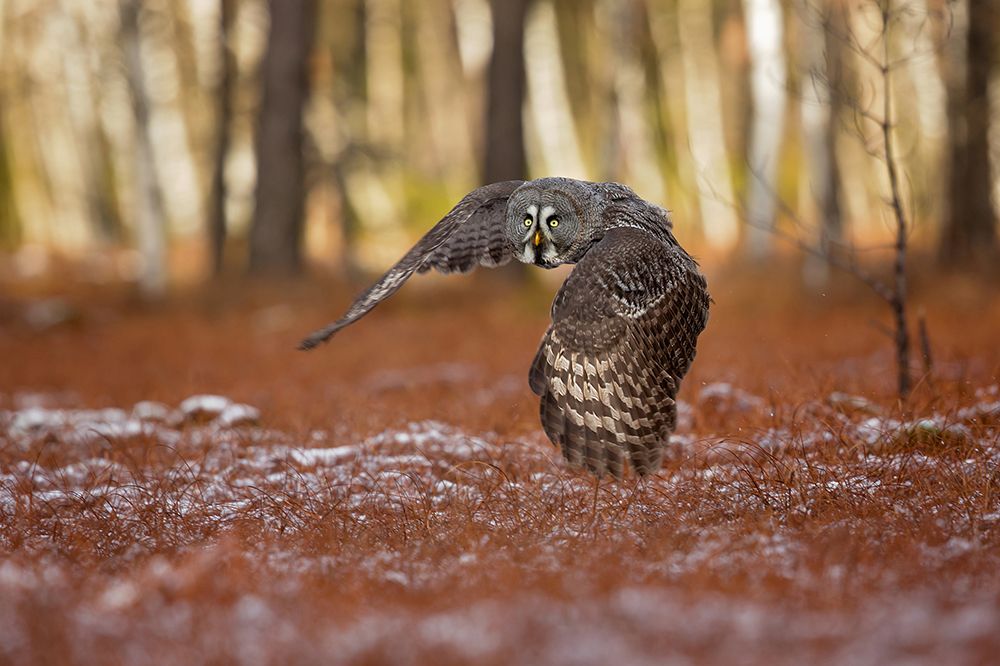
x=389, y=498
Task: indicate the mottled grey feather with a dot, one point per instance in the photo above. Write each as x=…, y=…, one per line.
x=482, y=242
x=479, y=215
x=623, y=334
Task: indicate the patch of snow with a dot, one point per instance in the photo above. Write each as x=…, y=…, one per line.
x=875, y=430
x=314, y=457
x=76, y=427
x=939, y=427
x=723, y=396
x=24, y=400
x=156, y=412
x=434, y=440
x=238, y=414
x=204, y=406
x=854, y=483
x=854, y=403
x=397, y=577
x=984, y=413
x=685, y=415
x=35, y=419
x=119, y=594
x=988, y=391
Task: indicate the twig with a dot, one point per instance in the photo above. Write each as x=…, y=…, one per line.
x=925, y=343
x=898, y=302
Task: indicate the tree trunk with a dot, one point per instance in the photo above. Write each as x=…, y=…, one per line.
x=98, y=174
x=217, y=223
x=10, y=227
x=350, y=88
x=505, y=158
x=150, y=219
x=704, y=115
x=822, y=88
x=276, y=232
x=828, y=194
x=635, y=161
x=554, y=136
x=765, y=28
x=969, y=234
x=193, y=97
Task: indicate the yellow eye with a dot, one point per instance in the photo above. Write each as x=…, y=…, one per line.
x=553, y=222
x=528, y=221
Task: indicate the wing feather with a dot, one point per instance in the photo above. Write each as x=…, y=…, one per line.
x=623, y=334
x=480, y=216
x=479, y=244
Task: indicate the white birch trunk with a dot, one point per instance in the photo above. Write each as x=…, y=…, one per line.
x=150, y=222
x=450, y=134
x=703, y=105
x=637, y=157
x=818, y=189
x=83, y=108
x=551, y=128
x=765, y=36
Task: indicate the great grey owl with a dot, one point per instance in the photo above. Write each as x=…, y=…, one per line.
x=624, y=324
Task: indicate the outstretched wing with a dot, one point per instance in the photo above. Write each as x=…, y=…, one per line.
x=623, y=334
x=471, y=234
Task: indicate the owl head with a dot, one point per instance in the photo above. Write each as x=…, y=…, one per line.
x=552, y=221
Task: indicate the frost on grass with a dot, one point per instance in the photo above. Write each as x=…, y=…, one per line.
x=842, y=532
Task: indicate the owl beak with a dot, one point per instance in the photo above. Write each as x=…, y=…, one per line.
x=538, y=238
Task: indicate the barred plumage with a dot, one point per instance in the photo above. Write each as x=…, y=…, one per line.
x=624, y=324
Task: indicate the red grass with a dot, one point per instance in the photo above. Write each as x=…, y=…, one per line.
x=789, y=526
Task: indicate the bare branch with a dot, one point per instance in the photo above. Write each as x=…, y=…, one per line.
x=846, y=260
x=876, y=52
x=899, y=265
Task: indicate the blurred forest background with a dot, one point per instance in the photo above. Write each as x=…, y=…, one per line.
x=164, y=142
